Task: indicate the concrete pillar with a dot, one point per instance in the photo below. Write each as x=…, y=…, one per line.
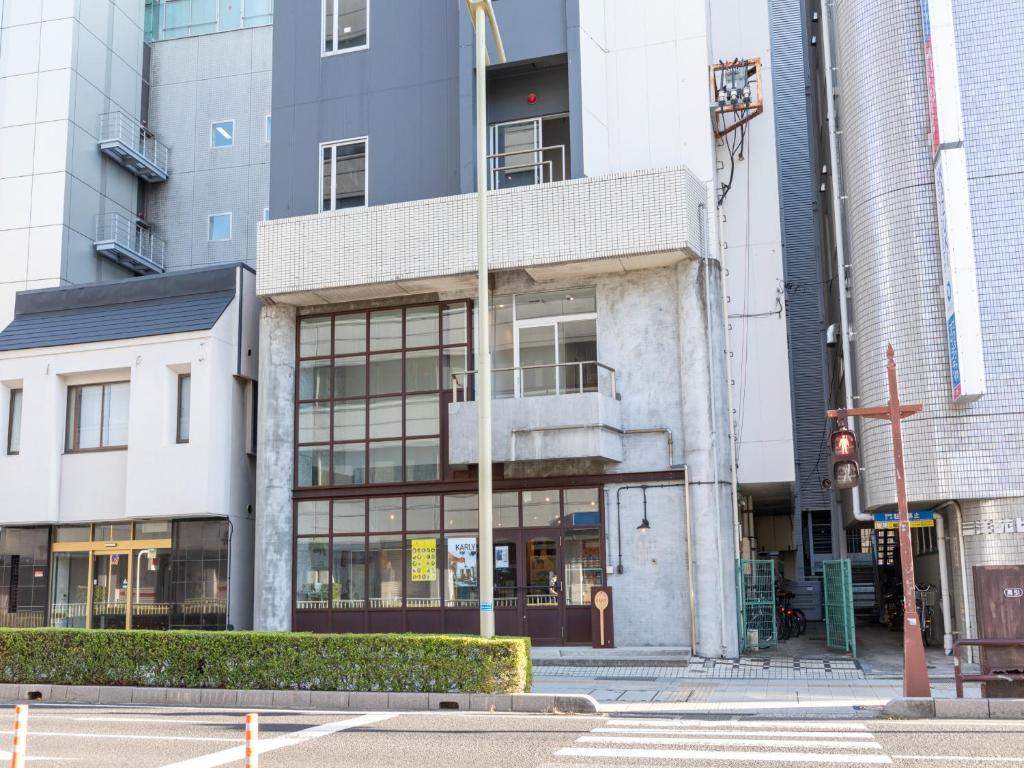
x=272, y=599
x=706, y=451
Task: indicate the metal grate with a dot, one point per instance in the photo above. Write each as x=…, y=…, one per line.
x=755, y=584
x=839, y=627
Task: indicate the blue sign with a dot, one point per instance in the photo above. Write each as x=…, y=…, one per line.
x=954, y=354
x=487, y=607
x=891, y=520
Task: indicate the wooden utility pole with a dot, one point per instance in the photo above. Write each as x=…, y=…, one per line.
x=915, y=670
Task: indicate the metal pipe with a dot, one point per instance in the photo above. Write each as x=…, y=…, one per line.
x=947, y=617
x=967, y=628
x=839, y=224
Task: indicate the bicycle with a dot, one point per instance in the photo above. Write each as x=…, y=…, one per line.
x=790, y=621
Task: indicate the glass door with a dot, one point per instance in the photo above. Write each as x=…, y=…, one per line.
x=69, y=607
x=538, y=358
x=111, y=580
x=544, y=609
x=515, y=154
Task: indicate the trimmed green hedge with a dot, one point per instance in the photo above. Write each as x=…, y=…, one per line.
x=265, y=660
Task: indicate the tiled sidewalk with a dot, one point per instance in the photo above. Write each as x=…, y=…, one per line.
x=776, y=668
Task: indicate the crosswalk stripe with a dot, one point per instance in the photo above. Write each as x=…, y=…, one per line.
x=763, y=724
x=816, y=758
x=866, y=735
x=710, y=742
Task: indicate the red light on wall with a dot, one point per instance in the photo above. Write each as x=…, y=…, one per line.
x=531, y=99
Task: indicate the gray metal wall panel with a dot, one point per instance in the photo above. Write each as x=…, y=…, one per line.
x=801, y=249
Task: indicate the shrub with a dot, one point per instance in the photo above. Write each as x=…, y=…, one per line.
x=265, y=660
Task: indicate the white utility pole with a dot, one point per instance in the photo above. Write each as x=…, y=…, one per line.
x=481, y=12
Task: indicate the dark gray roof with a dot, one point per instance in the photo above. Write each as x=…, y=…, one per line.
x=145, y=306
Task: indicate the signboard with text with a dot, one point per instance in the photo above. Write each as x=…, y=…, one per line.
x=891, y=520
x=423, y=563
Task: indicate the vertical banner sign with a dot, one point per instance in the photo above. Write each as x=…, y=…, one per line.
x=953, y=202
x=424, y=560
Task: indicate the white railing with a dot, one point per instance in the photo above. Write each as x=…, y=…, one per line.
x=519, y=163
x=538, y=380
x=126, y=130
x=130, y=238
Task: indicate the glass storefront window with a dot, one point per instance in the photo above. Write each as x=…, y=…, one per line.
x=462, y=584
x=24, y=576
x=349, y=334
x=582, y=507
x=349, y=465
x=505, y=510
x=348, y=573
x=315, y=337
x=151, y=592
x=423, y=571
x=153, y=530
x=385, y=462
x=199, y=574
x=506, y=569
x=542, y=572
x=421, y=327
x=315, y=380
x=423, y=513
x=112, y=532
x=582, y=555
x=540, y=509
x=315, y=466
x=384, y=568
x=70, y=589
x=385, y=514
x=350, y=516
x=311, y=573
x=312, y=518
x=460, y=511
x=386, y=329
x=71, y=533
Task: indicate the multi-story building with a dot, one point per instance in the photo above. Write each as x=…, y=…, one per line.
x=930, y=202
x=127, y=456
x=612, y=425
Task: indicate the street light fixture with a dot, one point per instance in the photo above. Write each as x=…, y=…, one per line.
x=481, y=13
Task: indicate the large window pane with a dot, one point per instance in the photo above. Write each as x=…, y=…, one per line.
x=115, y=414
x=542, y=572
x=349, y=334
x=315, y=380
x=577, y=343
x=386, y=514
x=454, y=324
x=350, y=377
x=384, y=563
x=386, y=329
x=349, y=516
x=386, y=417
x=582, y=507
x=421, y=370
x=184, y=407
x=463, y=587
x=311, y=573
x=582, y=554
x=385, y=373
x=503, y=350
x=312, y=518
x=348, y=575
x=350, y=464
x=453, y=361
x=537, y=358
x=24, y=576
x=350, y=420
x=506, y=568
x=151, y=590
x=423, y=459
x=540, y=508
x=314, y=423
x=423, y=513
x=423, y=572
x=385, y=462
x=14, y=428
x=505, y=510
x=98, y=416
x=315, y=337
x=199, y=575
x=314, y=465
x=460, y=511
x=89, y=411
x=422, y=415
x=70, y=589
x=576, y=301
x=421, y=327
x=352, y=24
x=350, y=176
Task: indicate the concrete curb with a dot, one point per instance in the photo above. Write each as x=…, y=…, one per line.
x=958, y=709
x=527, y=703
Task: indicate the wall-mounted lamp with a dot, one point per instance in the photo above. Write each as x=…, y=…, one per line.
x=645, y=524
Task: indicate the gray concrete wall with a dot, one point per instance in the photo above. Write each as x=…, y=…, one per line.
x=194, y=82
x=272, y=605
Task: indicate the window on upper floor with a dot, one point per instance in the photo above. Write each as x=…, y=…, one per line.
x=343, y=175
x=14, y=423
x=346, y=25
x=220, y=227
x=266, y=214
x=184, y=407
x=266, y=128
x=97, y=417
x=222, y=134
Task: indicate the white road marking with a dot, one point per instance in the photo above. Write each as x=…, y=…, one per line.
x=127, y=736
x=238, y=753
x=817, y=758
x=960, y=758
x=763, y=724
x=729, y=732
x=5, y=756
x=711, y=742
x=128, y=717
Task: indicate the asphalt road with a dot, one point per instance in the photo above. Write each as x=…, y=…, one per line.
x=193, y=738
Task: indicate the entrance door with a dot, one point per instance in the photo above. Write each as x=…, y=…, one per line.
x=111, y=580
x=508, y=613
x=544, y=609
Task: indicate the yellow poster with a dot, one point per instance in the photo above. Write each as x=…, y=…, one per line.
x=424, y=560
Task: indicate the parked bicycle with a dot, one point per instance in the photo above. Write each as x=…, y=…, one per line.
x=790, y=622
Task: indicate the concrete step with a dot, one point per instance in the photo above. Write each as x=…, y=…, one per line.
x=570, y=656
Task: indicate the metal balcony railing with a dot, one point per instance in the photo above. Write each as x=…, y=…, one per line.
x=127, y=141
x=129, y=243
x=525, y=167
x=538, y=380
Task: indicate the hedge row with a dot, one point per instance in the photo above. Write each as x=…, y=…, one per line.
x=265, y=660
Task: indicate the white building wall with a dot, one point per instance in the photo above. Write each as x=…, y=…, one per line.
x=62, y=65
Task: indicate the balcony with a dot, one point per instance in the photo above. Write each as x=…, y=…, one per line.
x=129, y=244
x=127, y=142
x=522, y=168
x=541, y=413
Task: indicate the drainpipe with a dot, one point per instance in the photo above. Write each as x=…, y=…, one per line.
x=839, y=224
x=947, y=618
x=967, y=628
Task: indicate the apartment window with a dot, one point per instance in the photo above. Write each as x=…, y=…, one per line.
x=184, y=406
x=266, y=214
x=266, y=130
x=222, y=134
x=343, y=175
x=346, y=25
x=97, y=417
x=220, y=227
x=14, y=423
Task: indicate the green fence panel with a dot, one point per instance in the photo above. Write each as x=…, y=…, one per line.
x=755, y=590
x=840, y=633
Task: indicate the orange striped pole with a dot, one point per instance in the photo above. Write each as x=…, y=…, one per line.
x=252, y=732
x=20, y=733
